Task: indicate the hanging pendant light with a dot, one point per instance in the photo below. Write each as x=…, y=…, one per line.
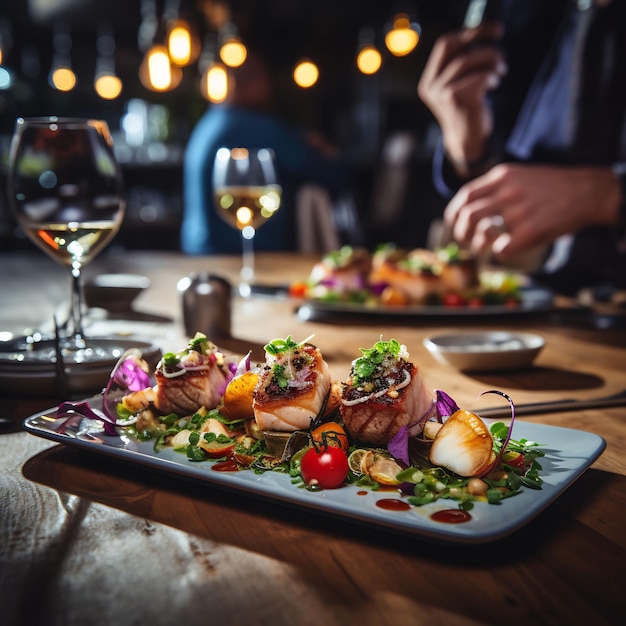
x=214, y=78
x=368, y=59
x=62, y=77
x=107, y=85
x=182, y=43
x=215, y=84
x=157, y=72
x=306, y=74
x=403, y=36
x=232, y=51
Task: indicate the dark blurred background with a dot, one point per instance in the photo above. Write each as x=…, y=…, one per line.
x=377, y=121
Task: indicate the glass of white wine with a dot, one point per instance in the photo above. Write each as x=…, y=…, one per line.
x=247, y=194
x=66, y=191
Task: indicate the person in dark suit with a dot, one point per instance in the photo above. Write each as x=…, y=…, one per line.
x=532, y=111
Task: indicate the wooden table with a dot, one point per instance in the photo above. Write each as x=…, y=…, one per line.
x=87, y=541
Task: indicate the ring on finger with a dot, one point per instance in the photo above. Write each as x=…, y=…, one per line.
x=498, y=225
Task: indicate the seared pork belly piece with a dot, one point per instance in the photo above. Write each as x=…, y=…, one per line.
x=424, y=274
x=384, y=393
x=202, y=384
x=459, y=269
x=415, y=273
x=185, y=381
x=343, y=271
x=293, y=386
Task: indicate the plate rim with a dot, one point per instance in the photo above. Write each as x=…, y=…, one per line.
x=278, y=487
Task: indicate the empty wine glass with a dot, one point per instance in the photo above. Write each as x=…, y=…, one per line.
x=247, y=194
x=65, y=188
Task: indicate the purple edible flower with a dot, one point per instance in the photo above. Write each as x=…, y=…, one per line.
x=70, y=409
x=131, y=376
x=446, y=406
x=398, y=445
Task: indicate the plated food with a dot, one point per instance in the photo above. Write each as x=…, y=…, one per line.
x=398, y=277
x=378, y=428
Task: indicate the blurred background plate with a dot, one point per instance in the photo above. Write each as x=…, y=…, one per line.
x=533, y=300
x=486, y=351
x=39, y=378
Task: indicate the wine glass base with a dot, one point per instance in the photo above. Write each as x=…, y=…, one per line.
x=96, y=350
x=244, y=290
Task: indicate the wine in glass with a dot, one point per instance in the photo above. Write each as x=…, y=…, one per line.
x=65, y=188
x=247, y=194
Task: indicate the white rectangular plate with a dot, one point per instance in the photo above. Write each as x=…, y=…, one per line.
x=568, y=454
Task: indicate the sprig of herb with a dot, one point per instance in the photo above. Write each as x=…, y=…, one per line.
x=199, y=343
x=278, y=346
x=365, y=366
x=278, y=374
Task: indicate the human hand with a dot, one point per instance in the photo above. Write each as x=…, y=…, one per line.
x=459, y=73
x=534, y=205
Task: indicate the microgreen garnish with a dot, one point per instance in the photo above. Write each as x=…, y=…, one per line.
x=365, y=366
x=279, y=375
x=170, y=359
x=339, y=258
x=279, y=346
x=200, y=343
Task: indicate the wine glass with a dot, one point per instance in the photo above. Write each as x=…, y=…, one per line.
x=65, y=188
x=247, y=194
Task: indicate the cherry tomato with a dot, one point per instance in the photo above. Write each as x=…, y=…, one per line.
x=331, y=434
x=511, y=302
x=514, y=459
x=453, y=299
x=298, y=289
x=475, y=302
x=326, y=468
x=216, y=449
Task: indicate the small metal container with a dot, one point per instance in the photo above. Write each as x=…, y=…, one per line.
x=206, y=304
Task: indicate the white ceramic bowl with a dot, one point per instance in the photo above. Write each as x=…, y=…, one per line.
x=486, y=351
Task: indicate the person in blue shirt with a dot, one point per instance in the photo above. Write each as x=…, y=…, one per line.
x=532, y=111
x=246, y=119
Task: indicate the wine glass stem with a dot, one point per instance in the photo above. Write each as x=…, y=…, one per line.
x=76, y=310
x=247, y=268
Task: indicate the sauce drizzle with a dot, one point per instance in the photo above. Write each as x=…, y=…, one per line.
x=393, y=504
x=225, y=466
x=451, y=516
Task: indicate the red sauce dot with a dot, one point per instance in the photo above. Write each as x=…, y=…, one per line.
x=361, y=493
x=451, y=516
x=392, y=504
x=225, y=466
